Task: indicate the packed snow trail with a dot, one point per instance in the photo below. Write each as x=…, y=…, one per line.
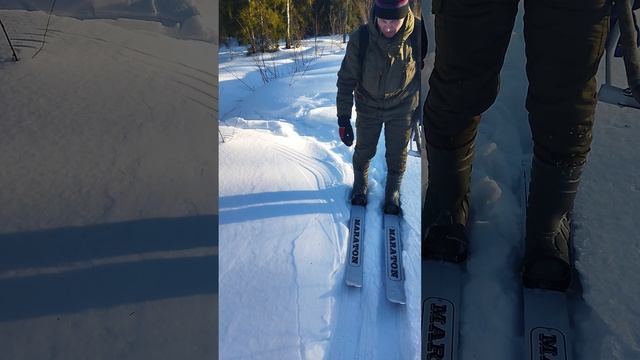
x=284, y=183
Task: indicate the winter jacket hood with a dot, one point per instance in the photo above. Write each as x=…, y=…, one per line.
x=394, y=44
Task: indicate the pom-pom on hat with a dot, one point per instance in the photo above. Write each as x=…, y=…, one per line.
x=391, y=9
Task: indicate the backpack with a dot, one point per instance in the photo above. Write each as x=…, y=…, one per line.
x=418, y=32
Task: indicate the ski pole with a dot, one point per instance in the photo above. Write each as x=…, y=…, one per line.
x=629, y=47
x=612, y=42
x=15, y=57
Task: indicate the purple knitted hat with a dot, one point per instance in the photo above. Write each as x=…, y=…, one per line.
x=391, y=9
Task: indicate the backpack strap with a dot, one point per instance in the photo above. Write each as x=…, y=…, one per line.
x=363, y=37
x=419, y=42
x=415, y=44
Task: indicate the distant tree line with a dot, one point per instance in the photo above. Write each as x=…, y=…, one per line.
x=262, y=24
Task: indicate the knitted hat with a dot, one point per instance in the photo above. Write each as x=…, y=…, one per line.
x=391, y=9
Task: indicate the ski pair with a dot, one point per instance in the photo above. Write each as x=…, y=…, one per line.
x=394, y=271
x=547, y=329
x=546, y=317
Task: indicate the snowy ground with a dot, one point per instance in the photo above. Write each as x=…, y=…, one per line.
x=284, y=177
x=605, y=315
x=190, y=19
x=284, y=180
x=108, y=242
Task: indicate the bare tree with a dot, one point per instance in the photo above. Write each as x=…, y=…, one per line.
x=364, y=9
x=346, y=7
x=288, y=37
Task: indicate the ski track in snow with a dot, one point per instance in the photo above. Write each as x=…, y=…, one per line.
x=313, y=227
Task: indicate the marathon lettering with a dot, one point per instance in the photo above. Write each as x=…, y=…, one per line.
x=435, y=352
x=438, y=313
x=393, y=252
x=435, y=332
x=355, y=245
x=437, y=322
x=548, y=346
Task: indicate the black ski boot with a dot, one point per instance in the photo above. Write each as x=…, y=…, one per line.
x=392, y=194
x=359, y=191
x=446, y=243
x=547, y=262
x=446, y=207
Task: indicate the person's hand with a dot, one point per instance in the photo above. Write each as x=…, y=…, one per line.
x=345, y=130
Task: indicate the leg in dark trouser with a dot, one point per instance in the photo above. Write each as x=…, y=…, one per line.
x=397, y=133
x=367, y=135
x=564, y=43
x=471, y=41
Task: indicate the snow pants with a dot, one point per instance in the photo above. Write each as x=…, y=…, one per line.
x=564, y=44
x=397, y=132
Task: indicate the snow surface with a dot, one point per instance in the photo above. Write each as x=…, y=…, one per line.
x=284, y=182
x=284, y=178
x=108, y=200
x=190, y=19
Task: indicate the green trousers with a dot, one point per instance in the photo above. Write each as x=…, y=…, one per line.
x=564, y=44
x=397, y=132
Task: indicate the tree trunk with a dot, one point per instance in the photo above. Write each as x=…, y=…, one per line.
x=288, y=39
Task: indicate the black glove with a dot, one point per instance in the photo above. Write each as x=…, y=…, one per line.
x=345, y=130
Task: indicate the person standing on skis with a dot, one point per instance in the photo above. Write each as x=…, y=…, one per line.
x=381, y=70
x=565, y=41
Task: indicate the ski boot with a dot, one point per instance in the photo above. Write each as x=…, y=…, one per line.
x=359, y=191
x=446, y=243
x=446, y=206
x=547, y=262
x=392, y=194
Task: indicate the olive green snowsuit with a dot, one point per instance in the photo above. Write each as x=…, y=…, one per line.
x=386, y=92
x=564, y=44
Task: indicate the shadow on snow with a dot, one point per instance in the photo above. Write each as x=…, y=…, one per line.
x=103, y=285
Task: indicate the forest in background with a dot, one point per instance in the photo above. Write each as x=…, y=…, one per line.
x=262, y=24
